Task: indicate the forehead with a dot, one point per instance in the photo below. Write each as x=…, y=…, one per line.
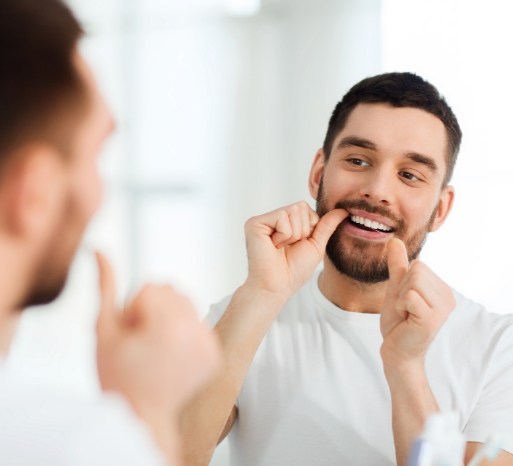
x=98, y=121
x=397, y=129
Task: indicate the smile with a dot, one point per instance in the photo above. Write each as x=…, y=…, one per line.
x=368, y=224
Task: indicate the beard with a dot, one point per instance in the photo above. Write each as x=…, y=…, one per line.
x=48, y=285
x=365, y=262
x=51, y=271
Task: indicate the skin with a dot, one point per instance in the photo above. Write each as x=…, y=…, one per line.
x=394, y=159
x=156, y=353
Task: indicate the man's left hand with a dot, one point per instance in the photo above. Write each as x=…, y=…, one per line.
x=416, y=306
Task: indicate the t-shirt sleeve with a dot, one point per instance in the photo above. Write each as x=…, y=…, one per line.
x=493, y=413
x=110, y=433
x=216, y=311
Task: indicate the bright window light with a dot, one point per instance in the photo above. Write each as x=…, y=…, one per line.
x=242, y=7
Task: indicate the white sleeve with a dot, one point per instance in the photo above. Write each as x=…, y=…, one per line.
x=39, y=426
x=110, y=434
x=216, y=311
x=493, y=412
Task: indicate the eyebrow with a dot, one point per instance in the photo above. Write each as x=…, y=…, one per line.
x=425, y=160
x=355, y=141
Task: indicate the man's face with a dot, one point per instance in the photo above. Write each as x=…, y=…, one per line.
x=81, y=197
x=386, y=168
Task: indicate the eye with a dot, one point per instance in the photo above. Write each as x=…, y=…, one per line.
x=358, y=162
x=409, y=176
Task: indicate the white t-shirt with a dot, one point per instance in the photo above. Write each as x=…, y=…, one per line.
x=39, y=427
x=316, y=393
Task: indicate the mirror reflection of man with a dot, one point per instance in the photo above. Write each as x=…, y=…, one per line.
x=156, y=354
x=344, y=366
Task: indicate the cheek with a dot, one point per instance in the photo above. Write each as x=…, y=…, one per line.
x=88, y=191
x=337, y=188
x=96, y=192
x=419, y=212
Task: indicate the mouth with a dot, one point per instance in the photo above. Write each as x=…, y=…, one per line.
x=368, y=224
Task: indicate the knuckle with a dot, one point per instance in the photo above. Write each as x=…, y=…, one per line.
x=249, y=223
x=417, y=275
x=295, y=236
x=143, y=295
x=294, y=208
x=283, y=215
x=417, y=268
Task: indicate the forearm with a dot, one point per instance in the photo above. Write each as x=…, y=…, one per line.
x=241, y=330
x=167, y=437
x=412, y=402
x=163, y=428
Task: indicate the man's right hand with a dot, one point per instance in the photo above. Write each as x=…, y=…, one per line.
x=156, y=353
x=286, y=245
x=284, y=248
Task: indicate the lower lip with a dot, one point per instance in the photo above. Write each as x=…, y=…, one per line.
x=352, y=230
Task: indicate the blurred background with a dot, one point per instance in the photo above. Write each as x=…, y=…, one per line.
x=221, y=106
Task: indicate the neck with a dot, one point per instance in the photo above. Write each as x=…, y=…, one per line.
x=349, y=294
x=8, y=325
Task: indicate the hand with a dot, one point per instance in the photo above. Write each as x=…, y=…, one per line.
x=416, y=306
x=286, y=245
x=156, y=353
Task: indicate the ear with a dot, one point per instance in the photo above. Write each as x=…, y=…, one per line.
x=316, y=173
x=443, y=208
x=33, y=191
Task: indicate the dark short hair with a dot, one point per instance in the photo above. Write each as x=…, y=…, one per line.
x=39, y=82
x=398, y=90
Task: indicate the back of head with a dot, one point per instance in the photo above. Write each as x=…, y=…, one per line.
x=39, y=84
x=397, y=90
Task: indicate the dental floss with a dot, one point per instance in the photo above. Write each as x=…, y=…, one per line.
x=440, y=444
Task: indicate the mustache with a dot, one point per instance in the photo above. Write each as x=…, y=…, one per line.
x=362, y=204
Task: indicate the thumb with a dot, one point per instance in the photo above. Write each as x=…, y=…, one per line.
x=398, y=263
x=107, y=286
x=327, y=226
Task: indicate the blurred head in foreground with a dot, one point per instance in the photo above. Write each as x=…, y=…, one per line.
x=53, y=122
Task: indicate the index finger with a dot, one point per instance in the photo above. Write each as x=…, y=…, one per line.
x=107, y=288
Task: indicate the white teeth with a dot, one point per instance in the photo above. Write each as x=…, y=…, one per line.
x=370, y=223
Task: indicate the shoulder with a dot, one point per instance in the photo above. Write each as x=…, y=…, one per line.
x=475, y=313
x=111, y=433
x=41, y=426
x=300, y=303
x=473, y=323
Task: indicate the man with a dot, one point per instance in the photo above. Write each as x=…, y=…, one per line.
x=155, y=354
x=344, y=366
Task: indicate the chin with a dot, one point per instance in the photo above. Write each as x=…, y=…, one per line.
x=45, y=292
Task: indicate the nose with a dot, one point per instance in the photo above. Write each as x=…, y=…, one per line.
x=378, y=187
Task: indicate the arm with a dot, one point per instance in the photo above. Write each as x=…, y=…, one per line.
x=416, y=306
x=155, y=353
x=284, y=247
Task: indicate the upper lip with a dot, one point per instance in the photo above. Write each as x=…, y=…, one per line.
x=374, y=217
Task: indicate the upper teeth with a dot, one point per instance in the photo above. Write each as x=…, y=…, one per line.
x=369, y=223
